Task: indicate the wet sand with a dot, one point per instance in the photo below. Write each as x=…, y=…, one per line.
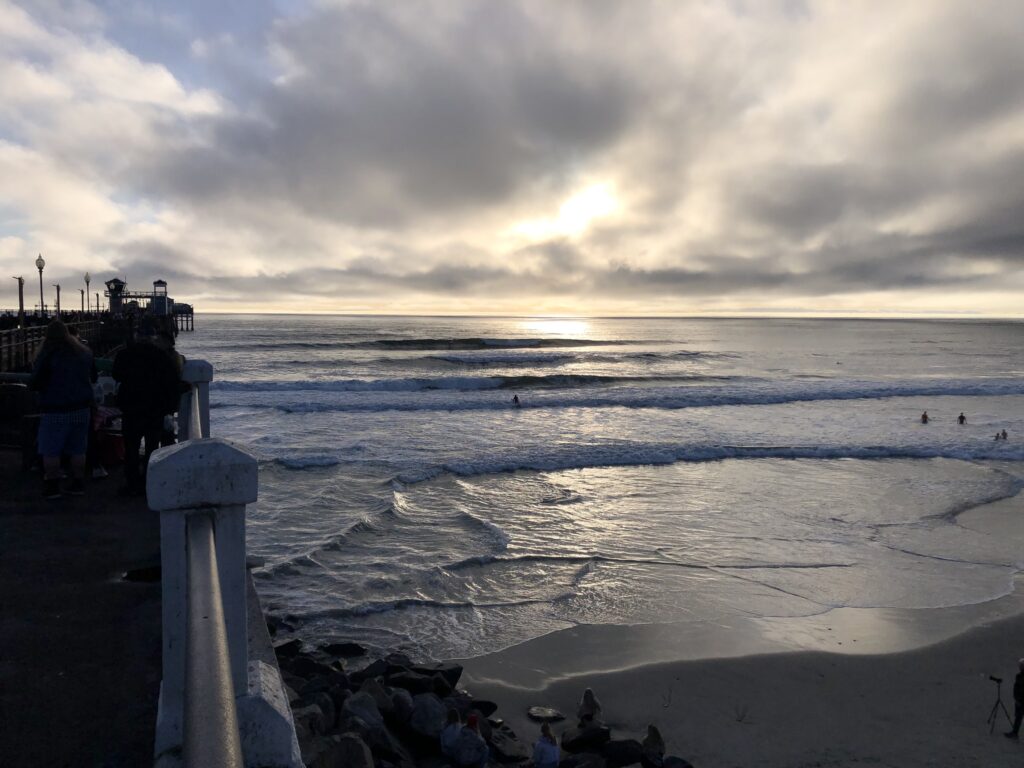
x=849, y=687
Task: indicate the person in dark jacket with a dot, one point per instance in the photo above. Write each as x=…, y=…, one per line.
x=147, y=391
x=1018, y=701
x=63, y=374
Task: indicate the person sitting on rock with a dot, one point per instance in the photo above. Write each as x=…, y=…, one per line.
x=450, y=733
x=546, y=753
x=589, y=710
x=653, y=748
x=471, y=750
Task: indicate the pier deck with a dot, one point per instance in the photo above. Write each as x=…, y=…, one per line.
x=80, y=666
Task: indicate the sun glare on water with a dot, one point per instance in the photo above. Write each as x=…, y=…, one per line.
x=557, y=327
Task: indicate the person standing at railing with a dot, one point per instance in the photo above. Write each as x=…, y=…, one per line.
x=63, y=374
x=165, y=340
x=147, y=392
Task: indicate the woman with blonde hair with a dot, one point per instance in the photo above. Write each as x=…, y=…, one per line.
x=63, y=374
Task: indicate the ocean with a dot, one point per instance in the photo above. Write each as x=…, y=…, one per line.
x=655, y=470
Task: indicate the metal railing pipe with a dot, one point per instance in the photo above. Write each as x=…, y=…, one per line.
x=211, y=722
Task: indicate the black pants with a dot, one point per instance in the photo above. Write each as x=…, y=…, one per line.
x=136, y=428
x=1018, y=715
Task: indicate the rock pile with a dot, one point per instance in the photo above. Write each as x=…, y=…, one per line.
x=389, y=713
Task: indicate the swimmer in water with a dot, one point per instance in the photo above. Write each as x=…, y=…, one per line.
x=515, y=400
x=924, y=417
x=961, y=419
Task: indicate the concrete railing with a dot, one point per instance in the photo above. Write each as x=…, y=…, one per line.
x=217, y=706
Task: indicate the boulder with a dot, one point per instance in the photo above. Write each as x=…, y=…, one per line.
x=363, y=706
x=351, y=752
x=288, y=649
x=622, y=752
x=676, y=762
x=303, y=666
x=544, y=714
x=380, y=696
x=590, y=738
x=377, y=668
x=450, y=672
x=401, y=705
x=398, y=662
x=440, y=685
x=344, y=650
x=319, y=684
x=309, y=721
x=413, y=682
x=321, y=700
x=506, y=748
x=460, y=701
x=428, y=715
x=483, y=724
x=484, y=707
x=292, y=681
x=583, y=760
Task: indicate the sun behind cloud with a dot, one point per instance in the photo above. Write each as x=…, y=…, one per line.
x=575, y=215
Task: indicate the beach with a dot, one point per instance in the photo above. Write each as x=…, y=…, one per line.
x=888, y=687
x=921, y=707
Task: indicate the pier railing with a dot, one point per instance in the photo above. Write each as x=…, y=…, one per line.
x=217, y=705
x=18, y=346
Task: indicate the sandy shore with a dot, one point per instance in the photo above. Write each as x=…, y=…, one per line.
x=926, y=707
x=850, y=687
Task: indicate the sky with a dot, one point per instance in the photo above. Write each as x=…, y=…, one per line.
x=528, y=157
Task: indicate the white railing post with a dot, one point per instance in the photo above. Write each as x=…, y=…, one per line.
x=199, y=374
x=214, y=477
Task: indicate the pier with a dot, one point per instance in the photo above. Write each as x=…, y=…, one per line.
x=133, y=632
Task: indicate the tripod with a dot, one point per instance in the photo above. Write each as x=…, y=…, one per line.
x=997, y=706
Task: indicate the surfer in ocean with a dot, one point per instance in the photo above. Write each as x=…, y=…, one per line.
x=924, y=417
x=515, y=400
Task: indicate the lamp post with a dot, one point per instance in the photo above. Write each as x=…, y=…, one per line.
x=40, y=263
x=57, y=286
x=21, y=301
x=97, y=303
x=82, y=291
x=88, y=277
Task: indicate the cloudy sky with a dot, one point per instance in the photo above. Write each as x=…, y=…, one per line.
x=498, y=156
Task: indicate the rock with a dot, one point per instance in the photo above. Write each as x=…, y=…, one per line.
x=440, y=685
x=506, y=748
x=363, y=706
x=344, y=650
x=398, y=660
x=288, y=649
x=377, y=668
x=676, y=762
x=316, y=753
x=401, y=705
x=428, y=715
x=351, y=752
x=544, y=714
x=309, y=721
x=450, y=672
x=484, y=707
x=303, y=666
x=380, y=696
x=412, y=682
x=291, y=693
x=622, y=752
x=460, y=701
x=588, y=738
x=321, y=700
x=339, y=696
x=292, y=681
x=318, y=684
x=584, y=760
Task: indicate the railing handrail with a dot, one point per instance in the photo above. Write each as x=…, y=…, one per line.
x=195, y=426
x=211, y=722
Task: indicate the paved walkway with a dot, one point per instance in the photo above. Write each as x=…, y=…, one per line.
x=79, y=645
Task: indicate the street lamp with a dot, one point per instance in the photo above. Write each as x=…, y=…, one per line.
x=40, y=263
x=88, y=277
x=57, y=286
x=21, y=301
x=82, y=291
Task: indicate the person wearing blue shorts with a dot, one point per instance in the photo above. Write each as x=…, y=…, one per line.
x=63, y=374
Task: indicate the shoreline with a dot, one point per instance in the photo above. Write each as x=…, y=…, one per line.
x=925, y=704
